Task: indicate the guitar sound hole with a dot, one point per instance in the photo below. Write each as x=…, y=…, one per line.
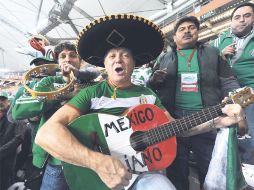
x=138, y=141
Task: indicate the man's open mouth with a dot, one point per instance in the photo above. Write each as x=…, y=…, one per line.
x=187, y=37
x=119, y=70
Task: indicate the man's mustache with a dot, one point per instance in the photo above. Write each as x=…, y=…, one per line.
x=187, y=35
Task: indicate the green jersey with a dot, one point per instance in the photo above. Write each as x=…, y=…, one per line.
x=98, y=99
x=188, y=100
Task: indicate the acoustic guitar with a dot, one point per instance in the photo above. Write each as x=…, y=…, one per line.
x=144, y=140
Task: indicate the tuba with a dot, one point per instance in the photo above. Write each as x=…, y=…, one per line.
x=48, y=70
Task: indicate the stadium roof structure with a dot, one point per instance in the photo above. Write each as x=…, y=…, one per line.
x=63, y=19
x=58, y=20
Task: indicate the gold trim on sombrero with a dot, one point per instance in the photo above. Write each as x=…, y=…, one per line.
x=123, y=16
x=104, y=19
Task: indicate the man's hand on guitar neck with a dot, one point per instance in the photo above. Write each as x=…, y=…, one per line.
x=111, y=171
x=234, y=114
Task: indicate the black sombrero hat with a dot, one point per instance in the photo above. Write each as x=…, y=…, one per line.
x=141, y=36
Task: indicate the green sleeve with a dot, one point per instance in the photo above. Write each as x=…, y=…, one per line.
x=224, y=39
x=212, y=43
x=21, y=91
x=26, y=106
x=82, y=101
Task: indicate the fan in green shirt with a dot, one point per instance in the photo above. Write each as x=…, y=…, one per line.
x=237, y=47
x=26, y=106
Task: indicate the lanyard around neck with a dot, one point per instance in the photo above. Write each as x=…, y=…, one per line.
x=187, y=59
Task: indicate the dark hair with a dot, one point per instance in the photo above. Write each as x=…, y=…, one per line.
x=242, y=5
x=61, y=46
x=192, y=19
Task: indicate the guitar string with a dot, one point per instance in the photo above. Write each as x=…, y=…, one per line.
x=177, y=125
x=171, y=128
x=202, y=115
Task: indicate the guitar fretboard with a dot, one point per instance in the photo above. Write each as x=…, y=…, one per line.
x=179, y=126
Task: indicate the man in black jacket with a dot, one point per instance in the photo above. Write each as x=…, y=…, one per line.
x=188, y=78
x=10, y=138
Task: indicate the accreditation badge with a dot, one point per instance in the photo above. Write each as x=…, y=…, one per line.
x=189, y=82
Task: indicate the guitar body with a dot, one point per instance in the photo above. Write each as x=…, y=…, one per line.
x=145, y=117
x=111, y=135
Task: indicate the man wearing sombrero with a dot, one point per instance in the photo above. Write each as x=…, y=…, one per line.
x=119, y=43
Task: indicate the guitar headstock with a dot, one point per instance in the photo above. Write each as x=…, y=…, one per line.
x=242, y=96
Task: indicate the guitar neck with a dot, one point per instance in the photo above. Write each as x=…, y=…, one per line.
x=179, y=126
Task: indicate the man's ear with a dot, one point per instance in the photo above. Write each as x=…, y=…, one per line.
x=104, y=63
x=174, y=38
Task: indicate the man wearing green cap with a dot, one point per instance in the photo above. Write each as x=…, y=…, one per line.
x=111, y=42
x=40, y=61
